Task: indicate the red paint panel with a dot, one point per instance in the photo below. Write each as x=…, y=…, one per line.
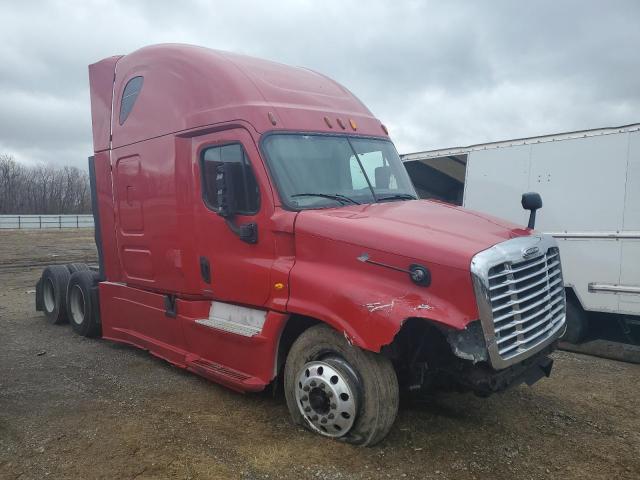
x=254, y=356
x=101, y=76
x=131, y=188
x=105, y=202
x=152, y=247
x=138, y=318
x=236, y=87
x=368, y=302
x=420, y=229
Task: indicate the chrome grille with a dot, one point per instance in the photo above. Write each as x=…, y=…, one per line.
x=527, y=301
x=521, y=300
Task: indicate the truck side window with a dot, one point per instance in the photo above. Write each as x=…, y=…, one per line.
x=129, y=96
x=246, y=187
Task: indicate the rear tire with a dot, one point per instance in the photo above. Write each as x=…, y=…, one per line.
x=82, y=304
x=54, y=281
x=577, y=323
x=366, y=381
x=77, y=267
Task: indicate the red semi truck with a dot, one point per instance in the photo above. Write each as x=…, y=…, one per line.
x=254, y=222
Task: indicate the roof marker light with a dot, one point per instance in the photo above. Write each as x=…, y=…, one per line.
x=328, y=122
x=341, y=123
x=272, y=118
x=353, y=124
x=384, y=129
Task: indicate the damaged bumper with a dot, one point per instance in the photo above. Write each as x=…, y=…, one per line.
x=484, y=380
x=479, y=375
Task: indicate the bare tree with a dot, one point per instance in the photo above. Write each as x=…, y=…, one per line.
x=42, y=189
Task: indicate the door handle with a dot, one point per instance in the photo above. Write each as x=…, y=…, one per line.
x=205, y=269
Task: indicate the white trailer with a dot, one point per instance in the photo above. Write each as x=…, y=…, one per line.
x=590, y=186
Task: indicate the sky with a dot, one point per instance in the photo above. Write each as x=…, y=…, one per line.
x=438, y=74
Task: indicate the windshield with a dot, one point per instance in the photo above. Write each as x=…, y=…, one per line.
x=319, y=171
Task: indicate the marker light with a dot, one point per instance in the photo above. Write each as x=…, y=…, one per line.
x=278, y=286
x=353, y=124
x=384, y=129
x=341, y=123
x=272, y=118
x=328, y=122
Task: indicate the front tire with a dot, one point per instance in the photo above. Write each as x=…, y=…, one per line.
x=339, y=390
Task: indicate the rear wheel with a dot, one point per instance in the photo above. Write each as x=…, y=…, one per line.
x=54, y=281
x=82, y=304
x=577, y=323
x=77, y=267
x=339, y=390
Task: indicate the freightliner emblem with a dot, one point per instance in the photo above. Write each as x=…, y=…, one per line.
x=530, y=252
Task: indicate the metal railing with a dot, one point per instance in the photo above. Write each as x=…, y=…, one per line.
x=45, y=221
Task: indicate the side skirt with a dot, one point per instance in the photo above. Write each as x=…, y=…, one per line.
x=243, y=363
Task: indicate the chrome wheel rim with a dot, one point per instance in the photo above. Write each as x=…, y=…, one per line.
x=76, y=302
x=49, y=295
x=326, y=394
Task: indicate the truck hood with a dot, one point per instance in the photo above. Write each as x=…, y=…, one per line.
x=424, y=230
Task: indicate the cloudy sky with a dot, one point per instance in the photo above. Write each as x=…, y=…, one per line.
x=438, y=74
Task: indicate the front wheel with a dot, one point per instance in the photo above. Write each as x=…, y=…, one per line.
x=339, y=390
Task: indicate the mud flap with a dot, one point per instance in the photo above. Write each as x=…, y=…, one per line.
x=539, y=370
x=39, y=301
x=95, y=298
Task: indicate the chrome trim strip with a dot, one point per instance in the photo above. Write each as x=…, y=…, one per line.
x=508, y=252
x=610, y=235
x=611, y=288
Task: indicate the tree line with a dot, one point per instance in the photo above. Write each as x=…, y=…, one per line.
x=42, y=189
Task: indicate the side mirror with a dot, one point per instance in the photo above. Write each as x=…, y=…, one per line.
x=228, y=175
x=383, y=177
x=225, y=189
x=531, y=201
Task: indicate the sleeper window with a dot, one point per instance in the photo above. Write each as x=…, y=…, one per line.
x=246, y=187
x=129, y=97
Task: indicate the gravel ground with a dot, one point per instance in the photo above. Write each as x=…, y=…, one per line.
x=77, y=408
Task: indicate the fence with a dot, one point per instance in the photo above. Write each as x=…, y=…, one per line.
x=45, y=221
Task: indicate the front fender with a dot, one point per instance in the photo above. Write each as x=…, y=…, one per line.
x=370, y=303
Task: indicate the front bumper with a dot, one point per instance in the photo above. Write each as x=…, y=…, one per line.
x=485, y=381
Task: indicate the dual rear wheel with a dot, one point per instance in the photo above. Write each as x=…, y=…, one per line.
x=67, y=294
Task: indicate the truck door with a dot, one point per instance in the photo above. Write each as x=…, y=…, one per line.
x=232, y=270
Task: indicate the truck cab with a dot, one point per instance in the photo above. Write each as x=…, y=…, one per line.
x=255, y=224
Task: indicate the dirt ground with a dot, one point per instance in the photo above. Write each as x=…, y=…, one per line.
x=77, y=408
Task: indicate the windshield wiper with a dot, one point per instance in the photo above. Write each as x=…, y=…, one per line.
x=343, y=199
x=397, y=196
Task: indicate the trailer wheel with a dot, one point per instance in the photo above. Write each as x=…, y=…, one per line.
x=82, y=304
x=577, y=323
x=54, y=281
x=77, y=267
x=339, y=390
